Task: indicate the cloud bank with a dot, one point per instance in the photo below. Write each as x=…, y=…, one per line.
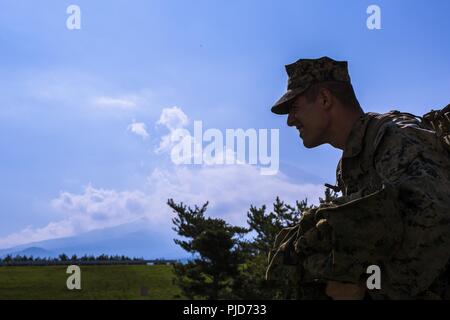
x=230, y=190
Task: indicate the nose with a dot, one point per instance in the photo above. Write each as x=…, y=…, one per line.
x=290, y=119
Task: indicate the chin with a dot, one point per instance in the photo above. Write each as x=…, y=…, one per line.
x=310, y=145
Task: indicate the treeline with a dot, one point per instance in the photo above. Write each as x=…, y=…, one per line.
x=63, y=259
x=230, y=261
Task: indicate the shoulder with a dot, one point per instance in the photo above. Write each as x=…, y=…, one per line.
x=402, y=144
x=394, y=131
x=405, y=136
x=391, y=128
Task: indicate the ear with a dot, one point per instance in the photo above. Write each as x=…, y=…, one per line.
x=325, y=98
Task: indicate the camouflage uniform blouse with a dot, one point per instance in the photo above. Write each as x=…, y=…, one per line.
x=394, y=212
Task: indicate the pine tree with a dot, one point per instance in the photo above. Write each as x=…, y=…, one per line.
x=218, y=249
x=252, y=283
x=63, y=257
x=268, y=225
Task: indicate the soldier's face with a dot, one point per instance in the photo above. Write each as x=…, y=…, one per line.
x=311, y=120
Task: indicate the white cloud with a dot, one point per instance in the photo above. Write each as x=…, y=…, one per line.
x=139, y=129
x=179, y=140
x=173, y=118
x=100, y=208
x=53, y=230
x=93, y=209
x=81, y=91
x=124, y=103
x=229, y=189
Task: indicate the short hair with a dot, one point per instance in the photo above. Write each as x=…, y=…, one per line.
x=343, y=91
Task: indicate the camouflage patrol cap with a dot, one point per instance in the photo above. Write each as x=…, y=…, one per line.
x=305, y=72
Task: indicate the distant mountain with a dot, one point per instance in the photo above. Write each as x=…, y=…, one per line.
x=132, y=240
x=32, y=251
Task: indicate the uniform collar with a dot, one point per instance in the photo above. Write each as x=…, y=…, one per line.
x=356, y=138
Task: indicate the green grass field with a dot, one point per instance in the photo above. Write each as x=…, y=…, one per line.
x=97, y=282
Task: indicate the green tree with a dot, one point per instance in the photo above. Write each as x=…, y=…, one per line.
x=227, y=266
x=251, y=283
x=268, y=225
x=218, y=249
x=63, y=257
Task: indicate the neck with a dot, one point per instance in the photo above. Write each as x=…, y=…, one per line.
x=340, y=131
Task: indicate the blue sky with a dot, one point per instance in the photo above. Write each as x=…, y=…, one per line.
x=67, y=98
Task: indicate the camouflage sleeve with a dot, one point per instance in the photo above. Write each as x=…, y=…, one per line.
x=413, y=161
x=351, y=236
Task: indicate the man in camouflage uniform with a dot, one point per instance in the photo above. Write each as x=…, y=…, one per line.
x=394, y=211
